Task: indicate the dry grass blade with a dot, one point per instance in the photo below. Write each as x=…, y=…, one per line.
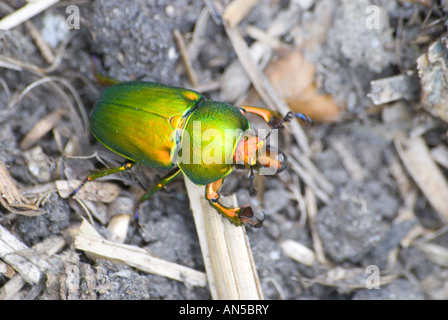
x=348, y=278
x=185, y=58
x=17, y=65
x=311, y=206
x=26, y=12
x=198, y=37
x=41, y=128
x=44, y=48
x=235, y=80
x=350, y=162
x=79, y=125
x=237, y=10
x=417, y=159
x=434, y=252
x=440, y=155
x=226, y=251
x=89, y=241
x=262, y=84
x=309, y=181
x=320, y=179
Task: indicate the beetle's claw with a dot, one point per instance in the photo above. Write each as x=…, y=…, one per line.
x=247, y=217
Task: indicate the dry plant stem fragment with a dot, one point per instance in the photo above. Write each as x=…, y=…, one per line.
x=25, y=13
x=11, y=198
x=227, y=255
x=418, y=161
x=88, y=240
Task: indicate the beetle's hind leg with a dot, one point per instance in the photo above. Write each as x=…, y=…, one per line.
x=165, y=180
x=239, y=215
x=99, y=174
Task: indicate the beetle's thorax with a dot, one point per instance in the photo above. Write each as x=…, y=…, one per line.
x=208, y=140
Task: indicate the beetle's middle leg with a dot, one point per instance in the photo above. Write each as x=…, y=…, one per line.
x=165, y=180
x=239, y=215
x=95, y=175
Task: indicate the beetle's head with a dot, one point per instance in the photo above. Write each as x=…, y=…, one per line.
x=253, y=152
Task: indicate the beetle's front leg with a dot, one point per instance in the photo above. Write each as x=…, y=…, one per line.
x=238, y=216
x=271, y=117
x=274, y=119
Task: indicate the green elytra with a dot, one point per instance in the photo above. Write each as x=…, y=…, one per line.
x=137, y=120
x=148, y=123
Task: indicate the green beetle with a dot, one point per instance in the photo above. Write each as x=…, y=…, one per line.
x=167, y=127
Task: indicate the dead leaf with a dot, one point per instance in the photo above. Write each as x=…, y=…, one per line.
x=293, y=77
x=11, y=198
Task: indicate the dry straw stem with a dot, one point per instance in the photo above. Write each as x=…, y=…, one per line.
x=311, y=210
x=235, y=81
x=237, y=10
x=41, y=128
x=89, y=241
x=12, y=252
x=30, y=264
x=262, y=84
x=226, y=251
x=436, y=253
x=347, y=278
x=10, y=290
x=418, y=161
x=28, y=11
x=440, y=155
x=192, y=76
x=11, y=198
x=43, y=47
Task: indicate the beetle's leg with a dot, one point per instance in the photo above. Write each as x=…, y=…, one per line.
x=238, y=216
x=271, y=117
x=165, y=180
x=274, y=119
x=126, y=166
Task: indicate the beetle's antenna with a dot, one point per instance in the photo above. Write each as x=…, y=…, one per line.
x=289, y=116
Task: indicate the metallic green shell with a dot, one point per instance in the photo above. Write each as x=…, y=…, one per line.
x=213, y=128
x=137, y=119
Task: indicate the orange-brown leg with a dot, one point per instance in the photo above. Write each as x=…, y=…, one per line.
x=239, y=215
x=271, y=117
x=274, y=119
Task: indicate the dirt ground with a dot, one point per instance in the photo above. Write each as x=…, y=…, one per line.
x=380, y=157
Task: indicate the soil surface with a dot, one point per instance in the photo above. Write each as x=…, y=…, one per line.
x=376, y=213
